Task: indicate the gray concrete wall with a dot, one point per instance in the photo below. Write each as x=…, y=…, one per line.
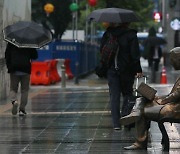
x=10, y=12
x=168, y=15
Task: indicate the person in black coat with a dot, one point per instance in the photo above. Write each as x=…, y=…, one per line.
x=18, y=61
x=123, y=69
x=154, y=57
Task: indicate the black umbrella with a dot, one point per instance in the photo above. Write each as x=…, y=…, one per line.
x=154, y=40
x=113, y=15
x=27, y=34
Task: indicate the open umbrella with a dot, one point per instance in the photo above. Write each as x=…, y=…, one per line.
x=27, y=34
x=154, y=40
x=113, y=15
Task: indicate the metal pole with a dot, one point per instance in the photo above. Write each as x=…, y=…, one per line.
x=76, y=81
x=73, y=23
x=63, y=76
x=86, y=37
x=86, y=29
x=163, y=15
x=91, y=32
x=76, y=25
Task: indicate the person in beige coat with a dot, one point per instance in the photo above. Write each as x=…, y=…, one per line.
x=161, y=107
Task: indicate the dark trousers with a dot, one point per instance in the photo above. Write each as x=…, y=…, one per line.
x=119, y=83
x=23, y=82
x=154, y=64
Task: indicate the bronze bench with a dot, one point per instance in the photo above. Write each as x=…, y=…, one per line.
x=165, y=137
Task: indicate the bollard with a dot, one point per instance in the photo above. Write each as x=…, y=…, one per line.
x=76, y=80
x=63, y=76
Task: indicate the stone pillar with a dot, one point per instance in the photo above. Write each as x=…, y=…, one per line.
x=10, y=12
x=169, y=13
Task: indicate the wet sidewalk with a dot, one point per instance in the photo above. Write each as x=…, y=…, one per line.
x=74, y=120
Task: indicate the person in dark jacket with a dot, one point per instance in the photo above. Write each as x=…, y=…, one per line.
x=18, y=61
x=124, y=68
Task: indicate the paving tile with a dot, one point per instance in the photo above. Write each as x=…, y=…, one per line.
x=74, y=121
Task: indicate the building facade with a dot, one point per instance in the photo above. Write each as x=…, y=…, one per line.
x=10, y=12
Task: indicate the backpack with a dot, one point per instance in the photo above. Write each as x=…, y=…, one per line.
x=108, y=53
x=109, y=50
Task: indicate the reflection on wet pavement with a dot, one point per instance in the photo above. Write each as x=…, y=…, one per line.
x=73, y=121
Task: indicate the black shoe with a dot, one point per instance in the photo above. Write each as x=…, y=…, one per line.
x=22, y=113
x=116, y=128
x=15, y=107
x=135, y=147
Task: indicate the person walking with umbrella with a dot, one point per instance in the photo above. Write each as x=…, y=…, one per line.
x=154, y=57
x=23, y=38
x=126, y=61
x=153, y=49
x=121, y=77
x=18, y=61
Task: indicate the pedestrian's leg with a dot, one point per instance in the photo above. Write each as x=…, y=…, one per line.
x=14, y=84
x=24, y=91
x=156, y=64
x=114, y=90
x=150, y=63
x=128, y=103
x=126, y=82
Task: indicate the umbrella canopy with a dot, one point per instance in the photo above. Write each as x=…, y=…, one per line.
x=26, y=34
x=154, y=40
x=113, y=15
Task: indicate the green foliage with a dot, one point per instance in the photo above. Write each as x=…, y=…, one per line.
x=85, y=9
x=61, y=18
x=58, y=20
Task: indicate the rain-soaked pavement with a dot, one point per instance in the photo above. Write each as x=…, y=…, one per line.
x=74, y=120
